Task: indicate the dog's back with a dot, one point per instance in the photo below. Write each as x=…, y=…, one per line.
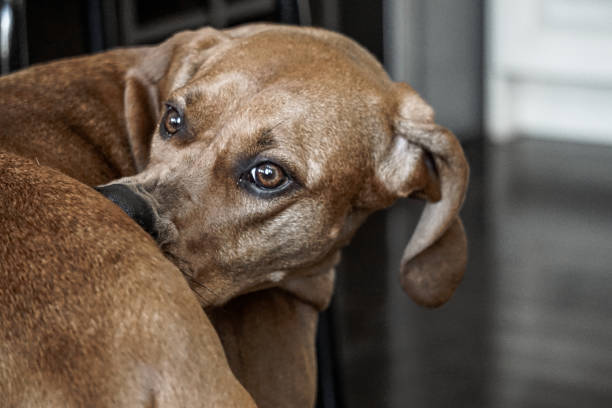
x=76, y=295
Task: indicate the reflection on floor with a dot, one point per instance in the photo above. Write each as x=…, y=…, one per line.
x=530, y=326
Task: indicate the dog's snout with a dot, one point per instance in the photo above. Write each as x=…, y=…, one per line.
x=132, y=204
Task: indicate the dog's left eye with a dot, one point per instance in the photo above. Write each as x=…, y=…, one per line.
x=268, y=176
x=172, y=122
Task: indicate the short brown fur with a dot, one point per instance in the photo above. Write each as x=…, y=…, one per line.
x=87, y=318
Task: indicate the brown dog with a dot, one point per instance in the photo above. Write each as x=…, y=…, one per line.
x=274, y=144
x=71, y=115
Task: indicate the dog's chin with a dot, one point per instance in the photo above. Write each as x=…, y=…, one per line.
x=209, y=292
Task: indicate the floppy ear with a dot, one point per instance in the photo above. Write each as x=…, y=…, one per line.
x=141, y=103
x=161, y=69
x=426, y=161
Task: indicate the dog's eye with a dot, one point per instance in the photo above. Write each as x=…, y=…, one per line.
x=172, y=122
x=268, y=176
x=266, y=179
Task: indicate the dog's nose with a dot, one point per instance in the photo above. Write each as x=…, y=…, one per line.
x=132, y=204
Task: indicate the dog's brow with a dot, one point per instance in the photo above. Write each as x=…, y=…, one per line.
x=266, y=140
x=191, y=97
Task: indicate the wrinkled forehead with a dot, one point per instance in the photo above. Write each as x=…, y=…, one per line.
x=321, y=66
x=300, y=55
x=304, y=116
x=297, y=71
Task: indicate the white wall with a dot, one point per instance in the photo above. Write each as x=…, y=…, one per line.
x=549, y=69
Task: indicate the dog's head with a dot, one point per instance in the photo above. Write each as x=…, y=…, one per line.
x=270, y=146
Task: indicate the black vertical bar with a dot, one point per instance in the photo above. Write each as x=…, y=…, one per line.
x=287, y=12
x=95, y=26
x=328, y=395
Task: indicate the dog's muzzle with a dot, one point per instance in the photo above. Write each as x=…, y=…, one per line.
x=132, y=204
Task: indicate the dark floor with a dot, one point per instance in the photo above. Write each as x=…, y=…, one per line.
x=530, y=326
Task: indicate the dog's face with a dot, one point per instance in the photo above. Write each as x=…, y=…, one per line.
x=272, y=146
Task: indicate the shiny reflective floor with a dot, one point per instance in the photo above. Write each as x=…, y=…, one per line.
x=530, y=326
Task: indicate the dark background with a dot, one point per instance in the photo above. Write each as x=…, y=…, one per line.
x=73, y=27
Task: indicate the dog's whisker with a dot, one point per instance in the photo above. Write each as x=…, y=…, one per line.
x=188, y=274
x=205, y=300
x=200, y=284
x=202, y=298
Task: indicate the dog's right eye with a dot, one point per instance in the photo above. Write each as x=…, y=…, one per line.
x=268, y=176
x=172, y=122
x=266, y=179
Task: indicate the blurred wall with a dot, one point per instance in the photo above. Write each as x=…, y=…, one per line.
x=437, y=47
x=549, y=69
